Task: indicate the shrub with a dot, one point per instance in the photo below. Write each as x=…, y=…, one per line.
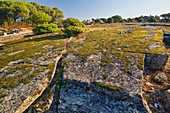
x=73, y=26
x=74, y=30
x=72, y=22
x=46, y=28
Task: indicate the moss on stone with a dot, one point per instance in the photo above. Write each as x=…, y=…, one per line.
x=109, y=87
x=105, y=76
x=106, y=60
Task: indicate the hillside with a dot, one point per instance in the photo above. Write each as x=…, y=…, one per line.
x=110, y=68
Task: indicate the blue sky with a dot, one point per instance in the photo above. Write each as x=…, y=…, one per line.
x=88, y=9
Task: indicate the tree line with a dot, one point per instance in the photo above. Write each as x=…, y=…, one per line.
x=45, y=19
x=12, y=11
x=120, y=19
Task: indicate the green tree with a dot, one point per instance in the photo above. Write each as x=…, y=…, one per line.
x=13, y=10
x=31, y=8
x=39, y=18
x=36, y=5
x=117, y=18
x=104, y=20
x=73, y=26
x=19, y=10
x=4, y=11
x=139, y=19
x=152, y=19
x=130, y=20
x=166, y=17
x=58, y=13
x=110, y=20
x=47, y=10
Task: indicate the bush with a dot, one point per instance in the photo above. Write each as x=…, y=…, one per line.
x=72, y=22
x=74, y=30
x=46, y=28
x=73, y=26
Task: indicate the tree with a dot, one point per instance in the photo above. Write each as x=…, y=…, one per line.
x=104, y=20
x=152, y=19
x=86, y=22
x=19, y=10
x=47, y=10
x=110, y=20
x=130, y=20
x=55, y=13
x=157, y=17
x=58, y=13
x=31, y=8
x=166, y=17
x=4, y=11
x=117, y=18
x=39, y=18
x=139, y=19
x=38, y=7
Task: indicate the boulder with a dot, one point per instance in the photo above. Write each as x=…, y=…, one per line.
x=161, y=77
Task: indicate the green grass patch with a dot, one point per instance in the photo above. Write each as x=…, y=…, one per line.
x=109, y=87
x=105, y=76
x=31, y=46
x=106, y=60
x=116, y=40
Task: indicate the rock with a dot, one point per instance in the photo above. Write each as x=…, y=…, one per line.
x=79, y=93
x=152, y=46
x=53, y=88
x=158, y=106
x=119, y=49
x=126, y=46
x=45, y=63
x=1, y=48
x=16, y=52
x=15, y=62
x=161, y=77
x=62, y=106
x=78, y=103
x=39, y=110
x=154, y=62
x=166, y=39
x=129, y=31
x=168, y=97
x=115, y=43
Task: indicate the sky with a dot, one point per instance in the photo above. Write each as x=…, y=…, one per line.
x=88, y=9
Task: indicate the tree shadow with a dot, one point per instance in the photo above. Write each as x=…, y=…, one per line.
x=99, y=98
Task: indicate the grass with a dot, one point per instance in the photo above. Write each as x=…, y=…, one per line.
x=2, y=95
x=105, y=76
x=109, y=87
x=42, y=102
x=103, y=41
x=106, y=60
x=30, y=46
